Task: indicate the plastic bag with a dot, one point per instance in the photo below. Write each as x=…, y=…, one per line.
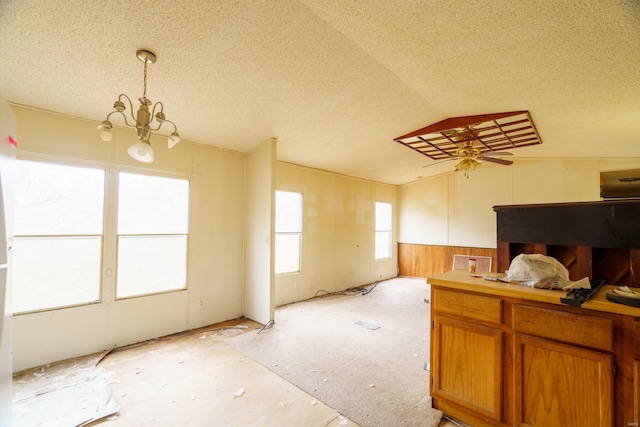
x=538, y=271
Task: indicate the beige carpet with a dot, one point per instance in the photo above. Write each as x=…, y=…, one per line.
x=329, y=347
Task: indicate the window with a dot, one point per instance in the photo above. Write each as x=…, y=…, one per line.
x=383, y=230
x=57, y=249
x=153, y=222
x=288, y=231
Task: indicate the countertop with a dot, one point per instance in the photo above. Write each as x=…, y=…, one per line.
x=462, y=280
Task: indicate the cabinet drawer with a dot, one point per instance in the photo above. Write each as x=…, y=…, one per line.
x=589, y=331
x=469, y=306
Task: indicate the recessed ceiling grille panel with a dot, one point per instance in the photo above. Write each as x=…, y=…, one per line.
x=488, y=132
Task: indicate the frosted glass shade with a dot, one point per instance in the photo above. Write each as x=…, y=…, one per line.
x=141, y=151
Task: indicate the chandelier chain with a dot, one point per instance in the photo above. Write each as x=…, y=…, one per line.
x=144, y=92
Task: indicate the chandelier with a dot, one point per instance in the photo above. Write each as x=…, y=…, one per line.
x=143, y=120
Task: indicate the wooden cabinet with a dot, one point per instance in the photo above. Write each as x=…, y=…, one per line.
x=467, y=349
x=559, y=365
x=467, y=365
x=634, y=402
x=636, y=392
x=562, y=385
x=553, y=370
x=509, y=355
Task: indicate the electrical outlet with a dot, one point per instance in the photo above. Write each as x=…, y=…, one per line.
x=201, y=302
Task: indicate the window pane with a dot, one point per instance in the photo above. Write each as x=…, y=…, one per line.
x=383, y=216
x=383, y=244
x=56, y=199
x=55, y=272
x=383, y=230
x=150, y=264
x=287, y=253
x=288, y=212
x=152, y=204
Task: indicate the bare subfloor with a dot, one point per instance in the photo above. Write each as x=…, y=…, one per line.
x=190, y=379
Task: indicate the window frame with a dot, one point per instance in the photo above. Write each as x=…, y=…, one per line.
x=387, y=231
x=53, y=237
x=117, y=234
x=290, y=233
x=108, y=262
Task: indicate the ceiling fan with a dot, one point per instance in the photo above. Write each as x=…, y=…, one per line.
x=470, y=154
x=472, y=139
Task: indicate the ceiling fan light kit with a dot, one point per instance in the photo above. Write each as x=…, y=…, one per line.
x=143, y=121
x=474, y=138
x=467, y=165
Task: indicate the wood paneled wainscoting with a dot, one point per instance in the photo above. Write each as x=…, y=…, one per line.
x=429, y=260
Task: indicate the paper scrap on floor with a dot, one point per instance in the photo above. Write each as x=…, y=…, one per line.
x=367, y=325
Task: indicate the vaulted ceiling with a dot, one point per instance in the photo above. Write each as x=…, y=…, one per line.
x=336, y=81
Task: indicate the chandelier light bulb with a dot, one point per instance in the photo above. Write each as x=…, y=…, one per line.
x=105, y=130
x=105, y=135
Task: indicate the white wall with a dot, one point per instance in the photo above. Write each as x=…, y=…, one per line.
x=259, y=251
x=215, y=266
x=7, y=128
x=338, y=232
x=338, y=227
x=458, y=211
x=215, y=259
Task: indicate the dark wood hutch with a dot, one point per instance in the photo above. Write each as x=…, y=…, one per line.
x=592, y=239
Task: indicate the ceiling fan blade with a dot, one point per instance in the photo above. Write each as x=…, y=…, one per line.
x=439, y=161
x=497, y=154
x=496, y=160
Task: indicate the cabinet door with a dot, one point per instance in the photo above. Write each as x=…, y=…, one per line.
x=562, y=385
x=467, y=365
x=636, y=394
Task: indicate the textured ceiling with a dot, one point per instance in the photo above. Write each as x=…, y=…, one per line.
x=336, y=81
